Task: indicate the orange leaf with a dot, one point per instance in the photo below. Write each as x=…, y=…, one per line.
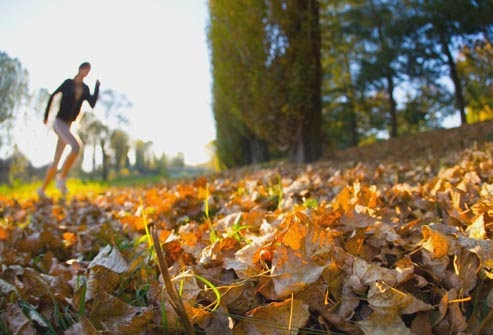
x=69, y=239
x=435, y=242
x=4, y=234
x=354, y=245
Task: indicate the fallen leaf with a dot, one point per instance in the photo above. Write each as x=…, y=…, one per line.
x=83, y=327
x=383, y=323
x=18, y=323
x=292, y=272
x=111, y=258
x=391, y=300
x=435, y=242
x=117, y=317
x=276, y=318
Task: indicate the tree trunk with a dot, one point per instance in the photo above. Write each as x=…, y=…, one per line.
x=259, y=150
x=308, y=146
x=353, y=121
x=106, y=161
x=392, y=106
x=94, y=157
x=454, y=75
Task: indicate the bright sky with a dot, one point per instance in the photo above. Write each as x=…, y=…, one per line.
x=154, y=51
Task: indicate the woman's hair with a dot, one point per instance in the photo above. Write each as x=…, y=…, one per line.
x=84, y=65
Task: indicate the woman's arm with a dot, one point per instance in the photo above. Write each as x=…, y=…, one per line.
x=91, y=99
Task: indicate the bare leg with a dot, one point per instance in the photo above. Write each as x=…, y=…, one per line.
x=51, y=172
x=69, y=161
x=62, y=129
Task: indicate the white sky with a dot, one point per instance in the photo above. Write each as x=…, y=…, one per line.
x=154, y=51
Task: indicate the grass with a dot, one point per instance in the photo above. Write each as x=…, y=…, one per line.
x=26, y=190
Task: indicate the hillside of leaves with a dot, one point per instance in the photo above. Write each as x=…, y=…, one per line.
x=401, y=247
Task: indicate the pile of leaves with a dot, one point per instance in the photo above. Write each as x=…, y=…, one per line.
x=338, y=248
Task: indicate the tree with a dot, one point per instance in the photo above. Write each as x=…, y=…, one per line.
x=299, y=21
x=91, y=130
x=343, y=111
x=144, y=156
x=13, y=90
x=119, y=143
x=442, y=26
x=235, y=39
x=178, y=162
x=18, y=166
x=113, y=104
x=376, y=27
x=267, y=76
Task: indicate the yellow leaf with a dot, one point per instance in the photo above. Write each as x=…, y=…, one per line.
x=476, y=229
x=343, y=199
x=435, y=242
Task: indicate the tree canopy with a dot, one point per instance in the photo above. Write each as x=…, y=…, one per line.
x=295, y=78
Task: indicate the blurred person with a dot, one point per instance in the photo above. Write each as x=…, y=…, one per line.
x=74, y=92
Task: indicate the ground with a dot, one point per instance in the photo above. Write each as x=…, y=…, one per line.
x=436, y=143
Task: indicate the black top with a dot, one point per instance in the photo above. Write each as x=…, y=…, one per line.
x=69, y=106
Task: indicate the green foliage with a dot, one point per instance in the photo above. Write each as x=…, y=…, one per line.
x=475, y=66
x=120, y=143
x=266, y=69
x=13, y=90
x=383, y=64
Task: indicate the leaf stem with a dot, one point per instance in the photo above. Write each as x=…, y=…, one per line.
x=175, y=301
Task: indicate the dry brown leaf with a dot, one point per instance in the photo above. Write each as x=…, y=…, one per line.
x=5, y=287
x=384, y=323
x=18, y=323
x=482, y=248
x=390, y=300
x=456, y=317
x=466, y=266
x=292, y=272
x=117, y=317
x=244, y=264
x=421, y=324
x=83, y=327
x=111, y=258
x=277, y=318
x=367, y=273
x=101, y=279
x=436, y=266
x=218, y=323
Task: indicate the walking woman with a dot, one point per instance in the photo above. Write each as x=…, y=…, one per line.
x=74, y=92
